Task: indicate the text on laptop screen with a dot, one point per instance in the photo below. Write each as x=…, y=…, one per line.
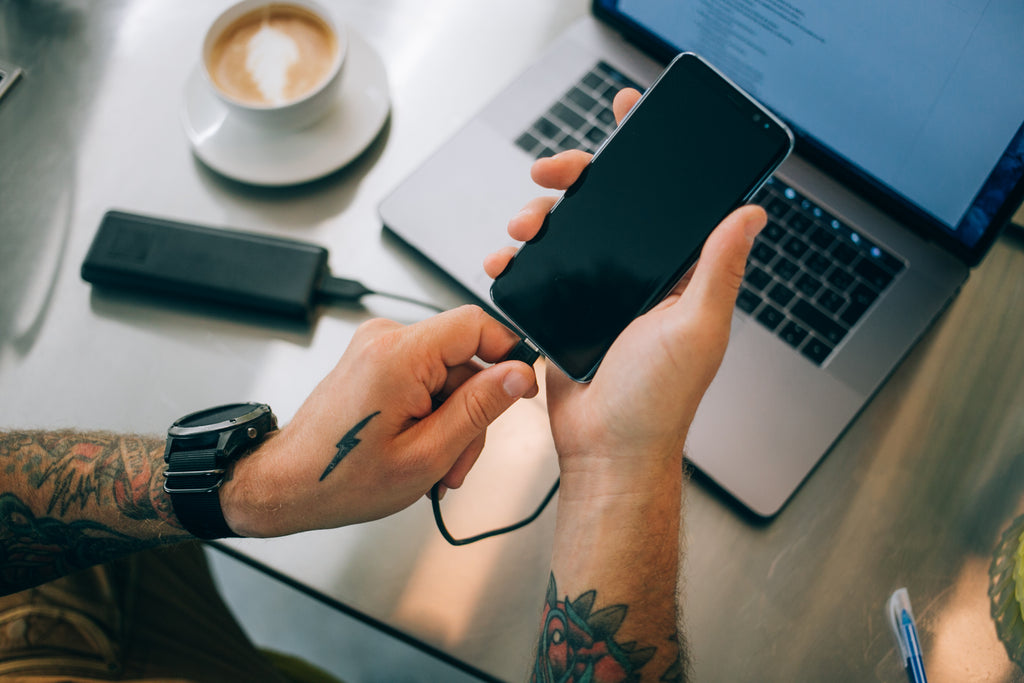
x=924, y=98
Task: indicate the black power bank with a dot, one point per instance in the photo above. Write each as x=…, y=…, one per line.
x=239, y=269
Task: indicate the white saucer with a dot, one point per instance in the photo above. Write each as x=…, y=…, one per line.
x=259, y=156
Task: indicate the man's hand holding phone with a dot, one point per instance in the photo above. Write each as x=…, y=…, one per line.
x=620, y=437
x=641, y=401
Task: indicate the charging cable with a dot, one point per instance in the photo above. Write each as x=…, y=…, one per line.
x=435, y=503
x=526, y=352
x=342, y=290
x=337, y=289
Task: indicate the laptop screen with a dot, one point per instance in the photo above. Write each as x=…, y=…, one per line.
x=919, y=100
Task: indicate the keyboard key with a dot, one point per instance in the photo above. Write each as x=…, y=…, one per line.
x=862, y=295
x=763, y=252
x=816, y=350
x=795, y=247
x=800, y=223
x=831, y=300
x=757, y=278
x=781, y=294
x=863, y=243
x=817, y=263
x=773, y=232
x=853, y=313
x=808, y=285
x=547, y=128
x=581, y=99
x=825, y=217
x=617, y=76
x=844, y=253
x=793, y=334
x=777, y=207
x=545, y=152
x=747, y=300
x=606, y=116
x=822, y=238
x=890, y=262
x=770, y=317
x=875, y=276
x=569, y=142
x=792, y=195
x=595, y=135
x=527, y=142
x=786, y=269
x=593, y=81
x=840, y=279
x=828, y=329
x=564, y=113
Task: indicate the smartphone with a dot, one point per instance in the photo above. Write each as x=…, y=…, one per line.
x=694, y=148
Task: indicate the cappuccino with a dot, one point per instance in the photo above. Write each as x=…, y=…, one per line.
x=276, y=54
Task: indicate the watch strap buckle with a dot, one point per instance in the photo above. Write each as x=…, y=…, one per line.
x=216, y=474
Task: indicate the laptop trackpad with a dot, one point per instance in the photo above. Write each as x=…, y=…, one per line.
x=767, y=419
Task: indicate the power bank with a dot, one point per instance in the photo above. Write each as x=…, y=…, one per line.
x=239, y=269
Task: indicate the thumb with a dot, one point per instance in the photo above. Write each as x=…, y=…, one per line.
x=719, y=272
x=473, y=406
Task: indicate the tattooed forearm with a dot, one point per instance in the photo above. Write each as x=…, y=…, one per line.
x=347, y=443
x=95, y=469
x=34, y=550
x=70, y=500
x=578, y=644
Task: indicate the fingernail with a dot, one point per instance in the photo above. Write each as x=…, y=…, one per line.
x=515, y=384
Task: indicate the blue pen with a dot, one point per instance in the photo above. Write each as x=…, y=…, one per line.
x=901, y=620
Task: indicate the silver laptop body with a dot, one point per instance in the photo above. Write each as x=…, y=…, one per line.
x=770, y=415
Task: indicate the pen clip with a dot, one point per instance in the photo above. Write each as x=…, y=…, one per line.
x=899, y=603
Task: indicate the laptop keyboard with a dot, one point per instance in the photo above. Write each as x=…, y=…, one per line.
x=810, y=277
x=580, y=119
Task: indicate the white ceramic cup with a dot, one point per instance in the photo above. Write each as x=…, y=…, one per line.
x=268, y=59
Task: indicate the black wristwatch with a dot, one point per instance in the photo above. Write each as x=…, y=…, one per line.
x=200, y=449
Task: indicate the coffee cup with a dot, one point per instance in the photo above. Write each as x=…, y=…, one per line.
x=275, y=64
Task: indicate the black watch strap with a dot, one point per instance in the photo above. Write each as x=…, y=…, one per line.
x=201, y=448
x=193, y=480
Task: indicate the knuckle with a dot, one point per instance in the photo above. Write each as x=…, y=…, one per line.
x=377, y=339
x=471, y=312
x=375, y=327
x=478, y=409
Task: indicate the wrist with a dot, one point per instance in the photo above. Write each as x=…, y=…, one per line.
x=623, y=540
x=253, y=508
x=621, y=476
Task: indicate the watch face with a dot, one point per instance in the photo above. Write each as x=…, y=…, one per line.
x=212, y=416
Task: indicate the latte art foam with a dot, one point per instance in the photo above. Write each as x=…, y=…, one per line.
x=269, y=58
x=272, y=56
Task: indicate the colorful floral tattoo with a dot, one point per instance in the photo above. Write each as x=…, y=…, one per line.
x=61, y=494
x=577, y=644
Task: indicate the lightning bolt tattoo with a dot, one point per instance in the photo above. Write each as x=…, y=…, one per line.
x=347, y=443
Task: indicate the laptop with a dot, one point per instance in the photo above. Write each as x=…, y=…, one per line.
x=909, y=160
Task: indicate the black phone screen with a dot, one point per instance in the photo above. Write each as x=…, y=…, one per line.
x=693, y=149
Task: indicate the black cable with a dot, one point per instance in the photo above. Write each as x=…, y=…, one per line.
x=338, y=289
x=407, y=299
x=435, y=503
x=526, y=352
